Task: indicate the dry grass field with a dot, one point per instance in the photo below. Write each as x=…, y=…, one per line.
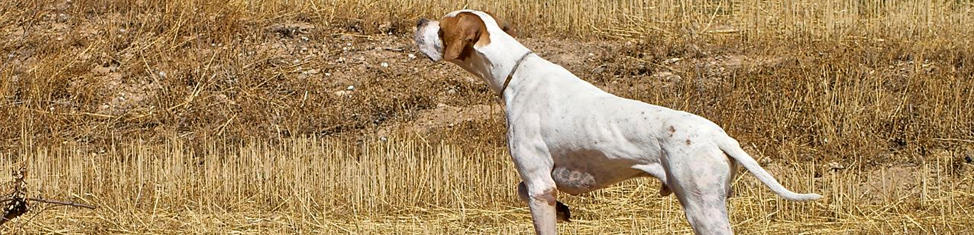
x=270, y=117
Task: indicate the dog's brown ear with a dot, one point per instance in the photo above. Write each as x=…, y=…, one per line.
x=460, y=33
x=507, y=28
x=504, y=25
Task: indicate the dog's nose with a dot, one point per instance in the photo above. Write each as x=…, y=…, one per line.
x=422, y=22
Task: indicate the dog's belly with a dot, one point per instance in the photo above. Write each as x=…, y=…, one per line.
x=581, y=178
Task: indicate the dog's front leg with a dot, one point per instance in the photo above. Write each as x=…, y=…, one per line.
x=541, y=199
x=534, y=164
x=564, y=213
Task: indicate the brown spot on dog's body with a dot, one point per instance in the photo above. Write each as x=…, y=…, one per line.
x=460, y=33
x=573, y=181
x=688, y=141
x=672, y=130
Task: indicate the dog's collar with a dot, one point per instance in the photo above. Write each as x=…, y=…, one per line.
x=511, y=75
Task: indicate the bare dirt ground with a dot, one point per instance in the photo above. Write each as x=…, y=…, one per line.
x=337, y=61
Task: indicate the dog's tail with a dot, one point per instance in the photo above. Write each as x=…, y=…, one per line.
x=733, y=149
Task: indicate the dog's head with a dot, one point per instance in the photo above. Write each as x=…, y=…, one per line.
x=458, y=35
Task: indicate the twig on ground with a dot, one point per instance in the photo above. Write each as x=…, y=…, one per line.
x=60, y=203
x=16, y=203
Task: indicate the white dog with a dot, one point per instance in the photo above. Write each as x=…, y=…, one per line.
x=566, y=134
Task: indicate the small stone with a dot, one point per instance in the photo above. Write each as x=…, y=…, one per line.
x=668, y=76
x=411, y=56
x=384, y=65
x=350, y=88
x=835, y=166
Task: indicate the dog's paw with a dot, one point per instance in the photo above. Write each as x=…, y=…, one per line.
x=563, y=213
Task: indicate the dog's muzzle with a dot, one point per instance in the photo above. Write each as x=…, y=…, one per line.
x=428, y=39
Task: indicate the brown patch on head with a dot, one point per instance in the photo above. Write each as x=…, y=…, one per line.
x=504, y=25
x=460, y=33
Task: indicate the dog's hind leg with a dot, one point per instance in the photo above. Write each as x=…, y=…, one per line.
x=707, y=213
x=699, y=179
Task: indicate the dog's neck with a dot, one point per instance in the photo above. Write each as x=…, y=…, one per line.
x=492, y=63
